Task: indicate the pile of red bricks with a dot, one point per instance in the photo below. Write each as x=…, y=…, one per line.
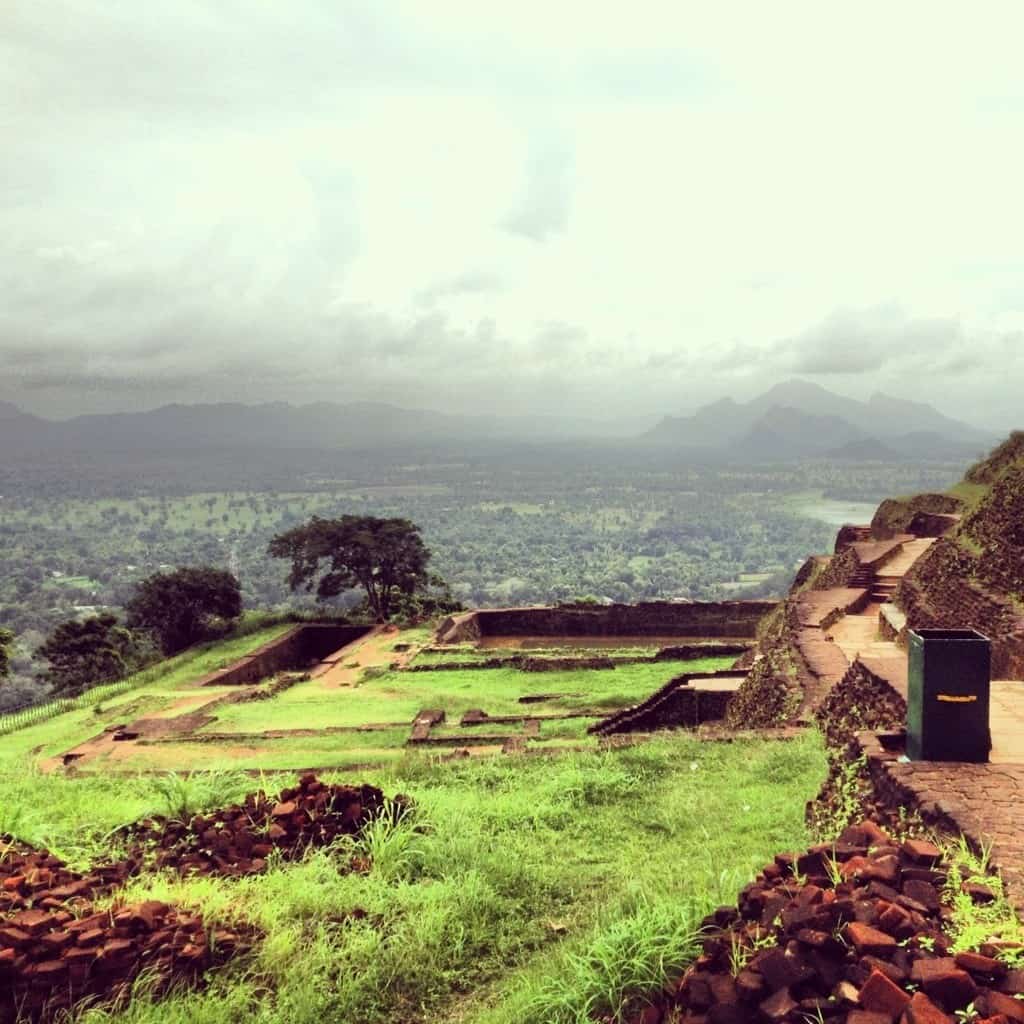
x=850, y=933
x=57, y=949
x=237, y=840
x=32, y=878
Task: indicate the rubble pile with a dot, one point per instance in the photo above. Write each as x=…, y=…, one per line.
x=847, y=933
x=57, y=949
x=237, y=840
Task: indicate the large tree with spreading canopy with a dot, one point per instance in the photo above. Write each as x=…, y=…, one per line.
x=385, y=557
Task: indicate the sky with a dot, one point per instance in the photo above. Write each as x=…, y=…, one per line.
x=558, y=208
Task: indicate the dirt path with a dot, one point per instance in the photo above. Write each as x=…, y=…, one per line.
x=344, y=668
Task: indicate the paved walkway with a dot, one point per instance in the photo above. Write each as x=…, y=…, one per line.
x=908, y=554
x=983, y=801
x=829, y=652
x=1006, y=721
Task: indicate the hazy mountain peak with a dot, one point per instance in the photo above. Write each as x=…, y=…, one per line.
x=800, y=410
x=794, y=389
x=9, y=411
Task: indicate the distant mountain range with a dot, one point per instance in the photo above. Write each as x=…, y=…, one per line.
x=321, y=425
x=791, y=420
x=797, y=419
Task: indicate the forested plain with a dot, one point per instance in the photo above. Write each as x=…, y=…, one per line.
x=512, y=525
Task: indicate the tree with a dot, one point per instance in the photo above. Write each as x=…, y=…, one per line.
x=81, y=654
x=386, y=557
x=180, y=607
x=6, y=643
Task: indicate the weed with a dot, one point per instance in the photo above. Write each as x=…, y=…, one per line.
x=834, y=870
x=973, y=923
x=184, y=795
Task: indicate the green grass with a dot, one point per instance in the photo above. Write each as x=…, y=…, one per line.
x=525, y=890
x=398, y=696
x=156, y=685
x=472, y=653
x=974, y=924
x=970, y=494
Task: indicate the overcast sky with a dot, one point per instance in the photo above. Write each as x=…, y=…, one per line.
x=556, y=206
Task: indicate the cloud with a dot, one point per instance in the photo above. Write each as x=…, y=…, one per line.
x=471, y=282
x=540, y=207
x=867, y=340
x=543, y=208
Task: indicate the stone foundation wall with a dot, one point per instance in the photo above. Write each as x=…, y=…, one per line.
x=680, y=703
x=300, y=647
x=653, y=618
x=939, y=593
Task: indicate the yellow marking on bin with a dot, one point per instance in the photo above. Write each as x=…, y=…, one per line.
x=949, y=698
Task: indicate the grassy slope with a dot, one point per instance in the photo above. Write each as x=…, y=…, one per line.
x=539, y=889
x=156, y=687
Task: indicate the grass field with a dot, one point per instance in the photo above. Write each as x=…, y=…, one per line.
x=523, y=890
x=398, y=696
x=147, y=691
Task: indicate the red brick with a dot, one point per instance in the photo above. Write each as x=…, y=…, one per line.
x=944, y=982
x=868, y=940
x=921, y=1010
x=867, y=1017
x=978, y=964
x=922, y=852
x=880, y=995
x=994, y=1003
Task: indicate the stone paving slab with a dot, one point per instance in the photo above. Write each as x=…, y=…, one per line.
x=875, y=552
x=817, y=606
x=1006, y=720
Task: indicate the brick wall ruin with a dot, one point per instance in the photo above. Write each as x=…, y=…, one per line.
x=652, y=618
x=302, y=646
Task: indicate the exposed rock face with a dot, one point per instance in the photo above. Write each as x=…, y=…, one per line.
x=971, y=577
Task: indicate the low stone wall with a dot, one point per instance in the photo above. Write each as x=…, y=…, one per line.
x=654, y=618
x=542, y=663
x=302, y=646
x=680, y=703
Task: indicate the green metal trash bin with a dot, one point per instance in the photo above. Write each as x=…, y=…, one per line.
x=948, y=677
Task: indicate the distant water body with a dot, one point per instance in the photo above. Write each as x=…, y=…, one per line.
x=836, y=513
